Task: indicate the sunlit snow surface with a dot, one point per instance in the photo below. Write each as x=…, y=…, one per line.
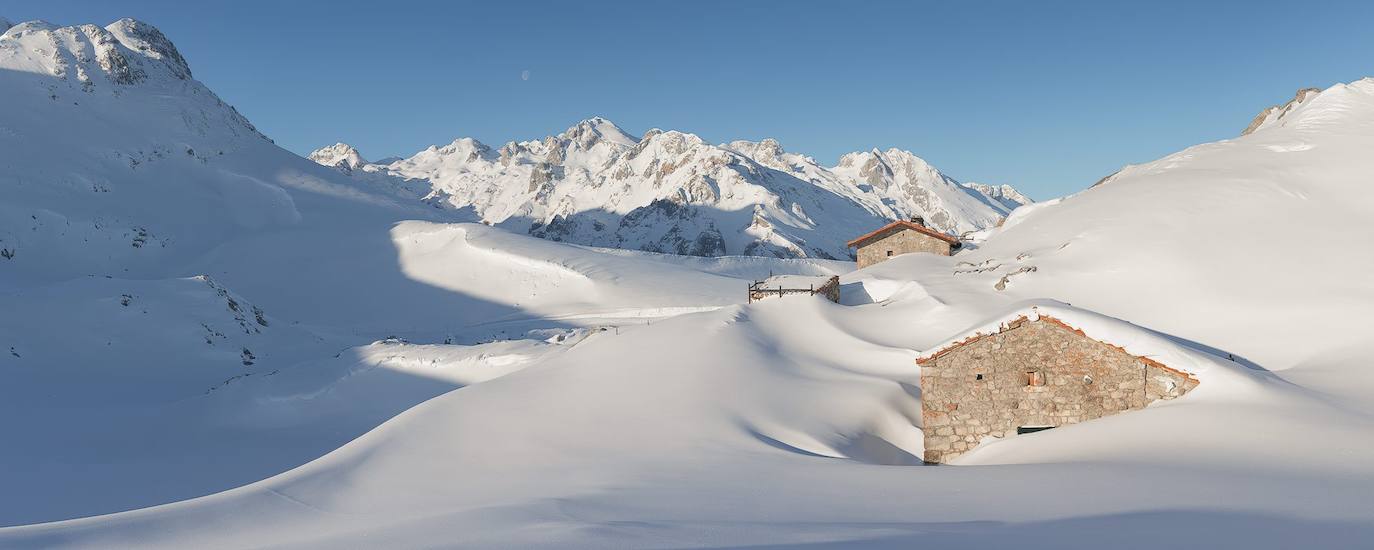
x=247, y=349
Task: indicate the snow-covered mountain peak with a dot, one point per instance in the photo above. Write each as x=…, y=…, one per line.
x=1004, y=194
x=672, y=142
x=878, y=168
x=466, y=147
x=899, y=177
x=339, y=155
x=460, y=155
x=895, y=156
x=148, y=40
x=587, y=132
x=764, y=148
x=127, y=52
x=767, y=152
x=18, y=30
x=104, y=128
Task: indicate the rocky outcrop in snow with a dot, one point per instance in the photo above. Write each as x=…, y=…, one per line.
x=670, y=191
x=150, y=42
x=1275, y=114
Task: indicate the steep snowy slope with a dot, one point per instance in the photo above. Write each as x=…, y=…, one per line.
x=100, y=129
x=792, y=422
x=671, y=192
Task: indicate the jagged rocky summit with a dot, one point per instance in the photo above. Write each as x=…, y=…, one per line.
x=670, y=191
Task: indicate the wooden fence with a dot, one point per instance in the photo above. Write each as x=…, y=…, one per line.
x=830, y=290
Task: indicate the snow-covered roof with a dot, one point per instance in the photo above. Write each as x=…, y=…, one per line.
x=903, y=224
x=1154, y=347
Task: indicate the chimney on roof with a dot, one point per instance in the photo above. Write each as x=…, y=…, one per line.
x=918, y=220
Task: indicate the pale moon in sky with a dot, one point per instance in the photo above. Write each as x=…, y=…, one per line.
x=525, y=74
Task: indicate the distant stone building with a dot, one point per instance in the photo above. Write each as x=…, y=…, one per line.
x=795, y=285
x=1036, y=370
x=902, y=237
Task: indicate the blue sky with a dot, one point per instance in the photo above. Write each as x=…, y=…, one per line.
x=1047, y=96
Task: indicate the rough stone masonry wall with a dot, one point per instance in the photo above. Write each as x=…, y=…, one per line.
x=901, y=241
x=1083, y=379
x=831, y=289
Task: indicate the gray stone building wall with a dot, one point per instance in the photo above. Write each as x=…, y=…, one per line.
x=985, y=386
x=900, y=240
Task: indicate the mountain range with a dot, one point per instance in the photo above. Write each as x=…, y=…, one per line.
x=669, y=191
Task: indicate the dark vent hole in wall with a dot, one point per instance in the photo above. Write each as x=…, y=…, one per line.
x=1031, y=429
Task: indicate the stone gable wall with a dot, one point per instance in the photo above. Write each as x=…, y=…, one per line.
x=1083, y=379
x=902, y=240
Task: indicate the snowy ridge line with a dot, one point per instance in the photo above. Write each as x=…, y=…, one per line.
x=670, y=191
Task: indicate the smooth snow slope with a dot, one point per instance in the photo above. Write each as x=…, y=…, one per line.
x=160, y=259
x=792, y=422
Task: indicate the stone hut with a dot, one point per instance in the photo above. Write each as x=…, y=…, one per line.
x=902, y=237
x=1042, y=367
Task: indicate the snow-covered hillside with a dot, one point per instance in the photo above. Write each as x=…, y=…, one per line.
x=250, y=349
x=670, y=191
x=155, y=249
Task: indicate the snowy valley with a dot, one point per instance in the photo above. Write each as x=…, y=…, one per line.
x=210, y=341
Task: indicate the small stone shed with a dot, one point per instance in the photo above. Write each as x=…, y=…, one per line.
x=901, y=237
x=1040, y=367
x=779, y=286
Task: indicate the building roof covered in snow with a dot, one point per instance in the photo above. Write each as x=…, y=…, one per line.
x=902, y=224
x=1150, y=346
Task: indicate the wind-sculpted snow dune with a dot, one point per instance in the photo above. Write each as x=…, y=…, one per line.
x=753, y=404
